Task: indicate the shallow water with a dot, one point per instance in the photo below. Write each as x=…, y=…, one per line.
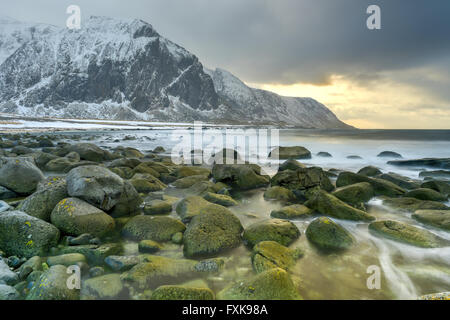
x=406, y=271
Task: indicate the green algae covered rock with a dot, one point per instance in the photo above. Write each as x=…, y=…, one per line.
x=270, y=254
x=435, y=218
x=173, y=292
x=294, y=211
x=159, y=228
x=282, y=231
x=328, y=235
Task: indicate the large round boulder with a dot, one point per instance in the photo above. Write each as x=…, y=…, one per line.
x=270, y=254
x=380, y=187
x=96, y=185
x=426, y=194
x=355, y=193
x=302, y=179
x=26, y=236
x=435, y=218
x=328, y=235
x=290, y=153
x=240, y=176
x=19, y=174
x=214, y=230
x=90, y=152
x=75, y=217
x=282, y=231
x=52, y=285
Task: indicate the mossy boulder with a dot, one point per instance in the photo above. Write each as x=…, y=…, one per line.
x=187, y=171
x=401, y=181
x=355, y=194
x=426, y=194
x=413, y=204
x=273, y=284
x=443, y=174
x=145, y=183
x=26, y=236
x=191, y=206
x=294, y=211
x=435, y=218
x=156, y=207
x=240, y=176
x=296, y=152
x=95, y=185
x=438, y=185
x=267, y=255
x=279, y=193
x=149, y=246
x=201, y=188
x=19, y=174
x=105, y=287
x=370, y=171
x=76, y=217
x=405, y=233
x=214, y=230
x=158, y=270
x=41, y=203
x=282, y=231
x=123, y=263
x=328, y=204
x=380, y=187
x=146, y=167
x=327, y=235
x=159, y=228
x=302, y=179
x=187, y=182
x=90, y=152
x=52, y=285
x=173, y=292
x=291, y=164
x=220, y=199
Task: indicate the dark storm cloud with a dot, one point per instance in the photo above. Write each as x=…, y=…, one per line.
x=282, y=41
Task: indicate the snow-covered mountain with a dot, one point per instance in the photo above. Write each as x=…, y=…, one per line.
x=123, y=69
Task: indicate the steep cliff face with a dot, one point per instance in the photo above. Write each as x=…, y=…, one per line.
x=119, y=69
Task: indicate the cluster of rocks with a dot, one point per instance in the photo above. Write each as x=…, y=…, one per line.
x=64, y=205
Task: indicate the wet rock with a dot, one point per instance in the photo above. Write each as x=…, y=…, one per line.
x=149, y=246
x=413, y=204
x=187, y=182
x=355, y=194
x=354, y=157
x=66, y=259
x=435, y=174
x=159, y=270
x=270, y=254
x=380, y=186
x=328, y=204
x=90, y=152
x=324, y=154
x=210, y=265
x=21, y=150
x=96, y=185
x=290, y=153
x=19, y=175
x=6, y=194
x=370, y=171
x=4, y=206
x=46, y=143
x=437, y=185
x=52, y=285
x=214, y=230
x=177, y=238
x=220, y=199
x=389, y=154
x=41, y=203
x=225, y=156
x=32, y=264
x=145, y=183
x=159, y=149
x=426, y=194
x=7, y=276
x=240, y=176
x=84, y=238
x=291, y=164
x=155, y=207
x=25, y=236
x=327, y=235
x=295, y=211
x=302, y=179
x=402, y=232
x=123, y=263
x=273, y=284
x=435, y=218
x=159, y=228
x=443, y=163
x=146, y=167
x=95, y=254
x=282, y=231
x=96, y=272
x=279, y=193
x=59, y=165
x=187, y=171
x=105, y=287
x=172, y=292
x=129, y=202
x=76, y=217
x=401, y=181
x=125, y=162
x=8, y=293
x=42, y=158
x=202, y=188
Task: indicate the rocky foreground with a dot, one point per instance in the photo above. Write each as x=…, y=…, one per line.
x=75, y=204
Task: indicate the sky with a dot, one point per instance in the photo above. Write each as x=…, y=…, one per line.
x=397, y=77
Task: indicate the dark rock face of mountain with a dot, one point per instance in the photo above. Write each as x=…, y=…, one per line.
x=116, y=69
